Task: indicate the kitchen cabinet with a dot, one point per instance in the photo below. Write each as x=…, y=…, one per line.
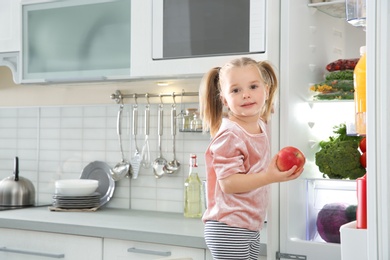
x=144, y=43
x=122, y=249
x=9, y=25
x=75, y=40
x=32, y=245
x=90, y=40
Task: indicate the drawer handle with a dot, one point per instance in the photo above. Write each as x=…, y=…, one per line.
x=17, y=251
x=148, y=252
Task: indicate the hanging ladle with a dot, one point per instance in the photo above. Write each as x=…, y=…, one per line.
x=160, y=163
x=173, y=165
x=123, y=168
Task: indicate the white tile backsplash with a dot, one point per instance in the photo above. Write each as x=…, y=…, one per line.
x=58, y=142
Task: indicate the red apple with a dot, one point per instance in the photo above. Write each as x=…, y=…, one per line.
x=288, y=157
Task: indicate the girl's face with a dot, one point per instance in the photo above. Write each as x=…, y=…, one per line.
x=244, y=92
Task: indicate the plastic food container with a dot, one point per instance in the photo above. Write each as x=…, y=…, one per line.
x=356, y=12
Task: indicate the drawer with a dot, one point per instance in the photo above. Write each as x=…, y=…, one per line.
x=123, y=249
x=32, y=245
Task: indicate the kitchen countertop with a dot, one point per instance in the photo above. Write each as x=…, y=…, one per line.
x=143, y=226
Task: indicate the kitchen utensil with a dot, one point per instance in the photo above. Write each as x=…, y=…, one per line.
x=123, y=168
x=160, y=163
x=145, y=153
x=16, y=190
x=100, y=171
x=76, y=187
x=173, y=165
x=136, y=159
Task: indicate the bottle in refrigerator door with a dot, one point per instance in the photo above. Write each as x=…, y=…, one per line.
x=360, y=93
x=193, y=191
x=361, y=213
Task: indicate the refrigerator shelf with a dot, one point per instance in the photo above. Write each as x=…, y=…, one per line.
x=335, y=9
x=314, y=100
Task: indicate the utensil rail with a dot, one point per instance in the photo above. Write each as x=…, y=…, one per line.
x=118, y=96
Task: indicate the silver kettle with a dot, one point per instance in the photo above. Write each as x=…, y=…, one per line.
x=16, y=191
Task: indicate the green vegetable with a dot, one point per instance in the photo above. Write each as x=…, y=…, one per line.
x=350, y=211
x=339, y=158
x=340, y=75
x=334, y=89
x=335, y=95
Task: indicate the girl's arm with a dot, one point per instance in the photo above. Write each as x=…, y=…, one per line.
x=240, y=183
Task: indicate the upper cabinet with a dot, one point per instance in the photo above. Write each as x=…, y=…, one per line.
x=96, y=40
x=9, y=25
x=190, y=37
x=75, y=40
x=189, y=29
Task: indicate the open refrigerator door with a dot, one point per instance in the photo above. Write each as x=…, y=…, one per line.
x=311, y=39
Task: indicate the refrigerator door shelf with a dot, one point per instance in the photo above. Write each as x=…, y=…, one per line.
x=351, y=239
x=334, y=8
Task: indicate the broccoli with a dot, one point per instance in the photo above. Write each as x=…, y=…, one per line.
x=339, y=158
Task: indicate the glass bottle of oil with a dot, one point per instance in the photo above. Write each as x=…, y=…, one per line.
x=192, y=191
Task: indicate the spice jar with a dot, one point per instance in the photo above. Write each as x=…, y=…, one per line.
x=196, y=123
x=187, y=118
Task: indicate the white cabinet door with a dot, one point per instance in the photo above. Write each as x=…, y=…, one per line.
x=9, y=25
x=142, y=47
x=31, y=245
x=123, y=249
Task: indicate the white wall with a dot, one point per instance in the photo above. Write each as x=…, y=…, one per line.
x=57, y=130
x=58, y=142
x=14, y=95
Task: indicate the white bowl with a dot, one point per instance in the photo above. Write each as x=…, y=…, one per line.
x=76, y=187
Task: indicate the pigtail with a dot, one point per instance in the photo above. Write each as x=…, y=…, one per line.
x=270, y=79
x=210, y=104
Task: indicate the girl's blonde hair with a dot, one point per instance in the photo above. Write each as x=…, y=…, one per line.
x=210, y=103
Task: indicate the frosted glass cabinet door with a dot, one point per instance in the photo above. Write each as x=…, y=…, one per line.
x=76, y=40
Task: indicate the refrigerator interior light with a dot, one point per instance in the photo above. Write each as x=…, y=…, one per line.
x=324, y=115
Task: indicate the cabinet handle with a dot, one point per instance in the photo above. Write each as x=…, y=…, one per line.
x=17, y=251
x=148, y=252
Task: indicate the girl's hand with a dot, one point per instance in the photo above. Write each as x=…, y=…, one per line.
x=275, y=175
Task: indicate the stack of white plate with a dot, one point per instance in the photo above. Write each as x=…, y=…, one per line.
x=76, y=202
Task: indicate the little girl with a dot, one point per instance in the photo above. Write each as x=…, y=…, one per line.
x=238, y=162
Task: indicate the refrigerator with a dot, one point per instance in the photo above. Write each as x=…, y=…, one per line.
x=311, y=36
